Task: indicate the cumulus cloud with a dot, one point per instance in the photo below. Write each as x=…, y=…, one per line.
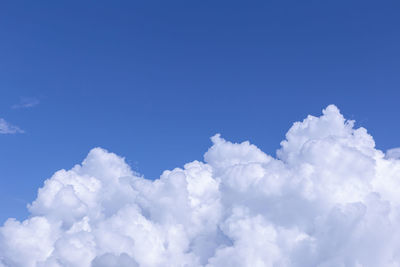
x=26, y=102
x=329, y=198
x=393, y=153
x=7, y=128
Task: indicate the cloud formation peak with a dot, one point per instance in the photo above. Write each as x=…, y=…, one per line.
x=328, y=199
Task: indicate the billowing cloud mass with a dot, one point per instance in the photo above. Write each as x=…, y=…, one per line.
x=328, y=199
x=7, y=128
x=393, y=153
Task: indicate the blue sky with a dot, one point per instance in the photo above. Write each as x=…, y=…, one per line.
x=153, y=80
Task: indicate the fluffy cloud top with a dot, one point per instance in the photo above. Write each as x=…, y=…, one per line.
x=329, y=199
x=393, y=153
x=7, y=128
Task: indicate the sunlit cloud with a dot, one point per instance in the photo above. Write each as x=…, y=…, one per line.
x=329, y=198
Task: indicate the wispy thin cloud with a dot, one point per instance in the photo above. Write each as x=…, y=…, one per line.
x=26, y=102
x=7, y=128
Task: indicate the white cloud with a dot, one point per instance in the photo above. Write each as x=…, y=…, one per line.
x=329, y=199
x=393, y=153
x=26, y=102
x=7, y=128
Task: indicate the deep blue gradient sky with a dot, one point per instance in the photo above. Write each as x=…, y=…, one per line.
x=153, y=80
